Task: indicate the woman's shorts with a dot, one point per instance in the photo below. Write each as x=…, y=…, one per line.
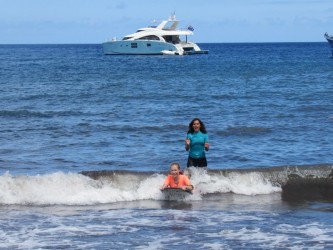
x=200, y=162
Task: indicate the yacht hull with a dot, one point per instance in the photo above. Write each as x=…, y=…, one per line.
x=138, y=47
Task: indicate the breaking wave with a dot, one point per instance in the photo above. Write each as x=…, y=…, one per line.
x=101, y=187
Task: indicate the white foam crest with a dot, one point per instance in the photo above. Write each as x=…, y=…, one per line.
x=77, y=189
x=71, y=189
x=56, y=188
x=207, y=184
x=251, y=184
x=150, y=187
x=239, y=183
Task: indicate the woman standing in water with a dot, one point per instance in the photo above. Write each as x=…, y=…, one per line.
x=197, y=143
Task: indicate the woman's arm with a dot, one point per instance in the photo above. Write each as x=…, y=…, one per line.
x=206, y=146
x=187, y=144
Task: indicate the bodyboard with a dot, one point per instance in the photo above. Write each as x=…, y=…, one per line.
x=174, y=194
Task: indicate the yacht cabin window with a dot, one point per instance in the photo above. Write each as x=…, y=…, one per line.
x=151, y=37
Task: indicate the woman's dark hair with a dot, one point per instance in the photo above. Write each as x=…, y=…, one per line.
x=202, y=126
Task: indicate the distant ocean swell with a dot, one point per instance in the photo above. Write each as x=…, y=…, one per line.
x=314, y=182
x=243, y=131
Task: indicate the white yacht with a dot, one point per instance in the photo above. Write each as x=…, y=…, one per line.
x=329, y=39
x=163, y=39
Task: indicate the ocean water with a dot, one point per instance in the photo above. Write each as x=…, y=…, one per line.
x=87, y=139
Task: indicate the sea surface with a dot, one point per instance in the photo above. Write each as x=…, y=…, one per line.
x=86, y=141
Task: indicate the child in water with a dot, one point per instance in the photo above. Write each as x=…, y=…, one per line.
x=177, y=180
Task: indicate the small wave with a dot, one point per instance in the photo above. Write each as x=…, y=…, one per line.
x=27, y=114
x=313, y=108
x=244, y=131
x=148, y=128
x=23, y=114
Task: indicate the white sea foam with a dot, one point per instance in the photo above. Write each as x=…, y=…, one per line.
x=73, y=189
x=238, y=183
x=313, y=231
x=77, y=189
x=256, y=236
x=90, y=227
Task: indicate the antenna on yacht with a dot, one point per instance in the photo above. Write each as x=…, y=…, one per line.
x=173, y=16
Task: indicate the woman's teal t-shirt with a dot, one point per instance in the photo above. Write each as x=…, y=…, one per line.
x=197, y=145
